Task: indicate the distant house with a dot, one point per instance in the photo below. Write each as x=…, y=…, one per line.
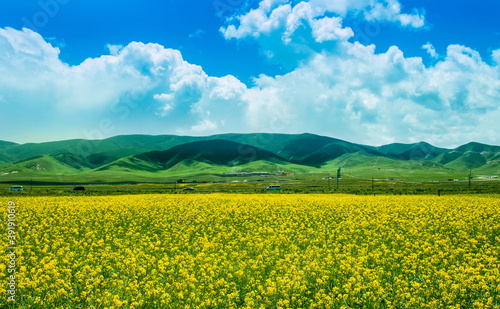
x=79, y=189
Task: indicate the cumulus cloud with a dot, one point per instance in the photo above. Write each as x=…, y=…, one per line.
x=330, y=29
x=390, y=10
x=379, y=98
x=353, y=93
x=283, y=17
x=148, y=72
x=289, y=32
x=258, y=21
x=34, y=79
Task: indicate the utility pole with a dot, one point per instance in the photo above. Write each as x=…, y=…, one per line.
x=338, y=177
x=470, y=177
x=329, y=182
x=373, y=185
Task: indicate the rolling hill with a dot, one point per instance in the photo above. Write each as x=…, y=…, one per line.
x=418, y=151
x=305, y=149
x=144, y=157
x=471, y=156
x=211, y=152
x=37, y=166
x=114, y=147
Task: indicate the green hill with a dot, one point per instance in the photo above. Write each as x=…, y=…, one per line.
x=218, y=152
x=92, y=153
x=143, y=157
x=362, y=165
x=4, y=158
x=37, y=166
x=467, y=160
x=492, y=167
x=304, y=149
x=212, y=152
x=470, y=156
x=477, y=147
x=4, y=144
x=316, y=150
x=418, y=151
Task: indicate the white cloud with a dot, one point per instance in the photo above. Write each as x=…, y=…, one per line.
x=415, y=20
x=354, y=94
x=284, y=18
x=166, y=101
x=430, y=50
x=377, y=98
x=496, y=56
x=330, y=29
x=114, y=49
x=225, y=88
x=257, y=22
x=390, y=10
x=268, y=5
x=205, y=126
x=289, y=32
x=158, y=80
x=280, y=16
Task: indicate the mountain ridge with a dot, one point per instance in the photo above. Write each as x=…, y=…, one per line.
x=218, y=152
x=298, y=152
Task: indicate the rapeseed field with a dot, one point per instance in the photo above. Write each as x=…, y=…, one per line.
x=254, y=251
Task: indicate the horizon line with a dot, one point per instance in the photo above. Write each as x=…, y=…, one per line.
x=230, y=133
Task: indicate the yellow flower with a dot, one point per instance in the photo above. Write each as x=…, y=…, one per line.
x=258, y=251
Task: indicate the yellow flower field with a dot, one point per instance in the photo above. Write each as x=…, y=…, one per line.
x=254, y=251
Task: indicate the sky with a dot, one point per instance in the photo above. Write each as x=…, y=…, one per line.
x=368, y=71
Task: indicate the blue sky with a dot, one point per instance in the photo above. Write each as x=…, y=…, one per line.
x=368, y=71
x=86, y=27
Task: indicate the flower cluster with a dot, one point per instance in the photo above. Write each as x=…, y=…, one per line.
x=256, y=251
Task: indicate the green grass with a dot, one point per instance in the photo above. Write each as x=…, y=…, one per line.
x=41, y=165
x=304, y=183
